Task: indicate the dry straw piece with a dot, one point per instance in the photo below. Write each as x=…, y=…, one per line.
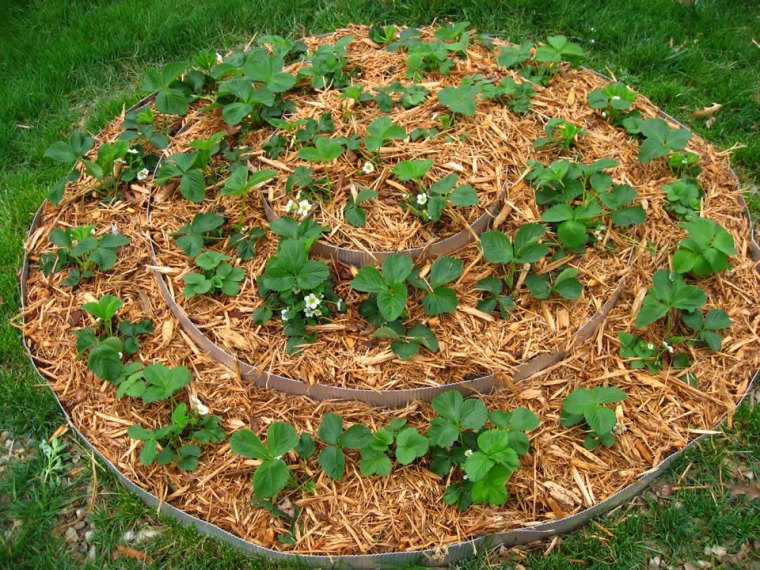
x=404, y=512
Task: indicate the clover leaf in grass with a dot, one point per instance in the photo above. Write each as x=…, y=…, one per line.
x=660, y=139
x=460, y=99
x=332, y=459
x=273, y=475
x=668, y=291
x=584, y=404
x=381, y=130
x=706, y=251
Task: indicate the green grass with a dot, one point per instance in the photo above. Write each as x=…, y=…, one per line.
x=75, y=63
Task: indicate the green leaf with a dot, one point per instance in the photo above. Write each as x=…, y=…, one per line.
x=492, y=489
x=567, y=284
x=496, y=247
x=572, y=234
x=630, y=216
x=424, y=336
x=440, y=301
x=330, y=428
x=369, y=280
x=248, y=444
x=192, y=186
x=105, y=362
x=380, y=130
x=196, y=284
x=234, y=113
x=449, y=405
x=324, y=150
x=717, y=319
x=281, y=438
x=312, y=274
x=444, y=270
x=443, y=432
x=477, y=466
x=473, y=414
x=410, y=445
x=210, y=259
x=600, y=419
x=374, y=462
x=332, y=461
x=355, y=437
x=412, y=169
x=270, y=478
x=651, y=310
x=306, y=446
x=464, y=195
x=396, y=268
x=163, y=382
x=460, y=99
x=148, y=454
x=495, y=444
x=538, y=285
x=105, y=309
x=392, y=301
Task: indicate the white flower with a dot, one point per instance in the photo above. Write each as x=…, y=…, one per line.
x=92, y=232
x=593, y=41
x=121, y=355
x=133, y=151
x=304, y=207
x=650, y=346
x=616, y=97
x=465, y=477
x=198, y=407
x=219, y=58
x=340, y=305
x=291, y=206
x=468, y=453
x=311, y=312
x=284, y=314
x=604, y=113
x=312, y=301
x=295, y=289
x=368, y=168
x=619, y=429
x=120, y=161
x=422, y=199
x=143, y=174
x=669, y=347
x=593, y=29
x=405, y=195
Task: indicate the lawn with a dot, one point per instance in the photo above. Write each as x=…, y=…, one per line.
x=75, y=64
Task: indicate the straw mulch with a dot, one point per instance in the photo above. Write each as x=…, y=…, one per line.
x=558, y=477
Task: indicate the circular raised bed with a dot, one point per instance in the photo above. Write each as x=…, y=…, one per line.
x=402, y=519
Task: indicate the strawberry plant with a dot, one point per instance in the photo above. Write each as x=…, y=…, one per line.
x=460, y=100
x=684, y=164
x=706, y=251
x=139, y=128
x=587, y=405
x=561, y=133
x=299, y=289
x=387, y=289
x=67, y=152
x=660, y=139
x=353, y=213
x=80, y=247
x=669, y=293
x=380, y=131
x=188, y=168
x=540, y=63
x=327, y=67
x=185, y=426
x=429, y=203
x=375, y=459
x=494, y=297
x=154, y=383
x=241, y=181
x=704, y=326
x=383, y=34
x=205, y=229
x=172, y=95
x=273, y=474
x=641, y=353
x=565, y=284
x=217, y=277
x=331, y=459
x=406, y=343
x=438, y=298
x=612, y=100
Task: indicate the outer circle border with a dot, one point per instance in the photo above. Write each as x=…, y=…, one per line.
x=429, y=557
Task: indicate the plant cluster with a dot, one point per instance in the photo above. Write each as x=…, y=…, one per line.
x=475, y=449
x=540, y=63
x=560, y=133
x=584, y=405
x=293, y=286
x=81, y=250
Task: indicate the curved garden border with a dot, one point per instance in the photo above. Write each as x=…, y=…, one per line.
x=447, y=555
